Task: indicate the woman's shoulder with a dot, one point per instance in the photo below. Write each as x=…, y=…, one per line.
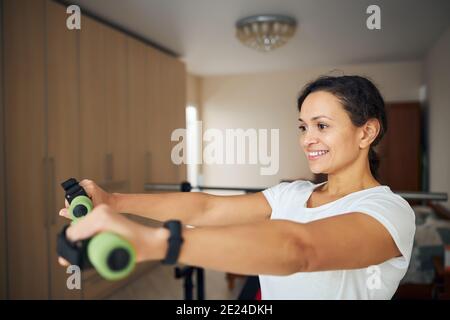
x=382, y=192
x=382, y=197
x=295, y=185
x=291, y=186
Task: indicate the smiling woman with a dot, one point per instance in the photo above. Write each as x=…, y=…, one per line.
x=362, y=233
x=346, y=238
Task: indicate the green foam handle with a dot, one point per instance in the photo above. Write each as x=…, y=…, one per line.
x=80, y=200
x=99, y=250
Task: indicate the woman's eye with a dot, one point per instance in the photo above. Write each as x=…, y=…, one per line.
x=322, y=126
x=302, y=128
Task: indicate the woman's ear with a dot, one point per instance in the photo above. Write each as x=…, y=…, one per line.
x=370, y=132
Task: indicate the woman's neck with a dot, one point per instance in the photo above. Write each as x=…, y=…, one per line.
x=343, y=183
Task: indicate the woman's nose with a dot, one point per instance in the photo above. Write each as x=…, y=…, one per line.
x=308, y=139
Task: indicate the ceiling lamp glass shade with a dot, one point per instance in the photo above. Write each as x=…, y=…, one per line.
x=265, y=32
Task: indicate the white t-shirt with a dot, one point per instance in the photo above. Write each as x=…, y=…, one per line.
x=288, y=202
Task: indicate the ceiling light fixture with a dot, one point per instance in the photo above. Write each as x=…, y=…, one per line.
x=265, y=32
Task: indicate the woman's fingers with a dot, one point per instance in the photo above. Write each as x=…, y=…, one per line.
x=103, y=218
x=64, y=213
x=88, y=186
x=63, y=262
x=85, y=182
x=90, y=225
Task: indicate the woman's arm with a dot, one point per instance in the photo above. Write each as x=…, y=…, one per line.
x=277, y=247
x=196, y=208
x=281, y=247
x=192, y=208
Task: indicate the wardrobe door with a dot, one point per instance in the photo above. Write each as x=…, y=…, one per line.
x=25, y=142
x=139, y=154
x=168, y=115
x=179, y=104
x=93, y=117
x=153, y=170
x=116, y=107
x=63, y=144
x=3, y=243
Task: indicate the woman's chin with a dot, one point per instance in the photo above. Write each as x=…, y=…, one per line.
x=317, y=170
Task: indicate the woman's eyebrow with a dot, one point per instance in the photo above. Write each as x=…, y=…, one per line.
x=315, y=118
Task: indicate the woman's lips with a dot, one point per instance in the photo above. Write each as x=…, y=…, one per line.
x=314, y=155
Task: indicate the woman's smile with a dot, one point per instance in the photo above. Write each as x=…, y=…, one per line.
x=316, y=154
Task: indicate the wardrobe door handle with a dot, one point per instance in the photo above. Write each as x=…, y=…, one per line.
x=46, y=191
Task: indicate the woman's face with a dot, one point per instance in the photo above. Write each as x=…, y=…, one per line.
x=327, y=135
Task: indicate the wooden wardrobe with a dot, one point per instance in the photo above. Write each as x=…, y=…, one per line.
x=93, y=103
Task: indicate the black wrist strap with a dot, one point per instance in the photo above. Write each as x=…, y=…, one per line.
x=73, y=189
x=174, y=242
x=74, y=252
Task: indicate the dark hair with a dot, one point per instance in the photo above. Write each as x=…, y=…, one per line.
x=362, y=101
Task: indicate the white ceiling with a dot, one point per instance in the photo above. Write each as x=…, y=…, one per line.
x=331, y=32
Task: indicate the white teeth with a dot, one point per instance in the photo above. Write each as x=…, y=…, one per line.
x=317, y=153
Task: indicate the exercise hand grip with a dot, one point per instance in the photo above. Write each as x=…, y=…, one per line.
x=80, y=207
x=79, y=202
x=113, y=257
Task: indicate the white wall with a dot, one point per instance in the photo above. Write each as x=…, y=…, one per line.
x=437, y=73
x=264, y=101
x=193, y=88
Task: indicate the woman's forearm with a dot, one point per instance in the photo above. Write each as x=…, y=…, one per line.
x=183, y=206
x=273, y=247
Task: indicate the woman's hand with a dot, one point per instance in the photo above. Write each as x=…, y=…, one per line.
x=149, y=243
x=97, y=194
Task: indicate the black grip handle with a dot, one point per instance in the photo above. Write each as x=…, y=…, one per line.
x=73, y=189
x=74, y=252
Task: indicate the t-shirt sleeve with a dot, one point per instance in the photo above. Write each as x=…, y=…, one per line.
x=281, y=195
x=272, y=195
x=397, y=216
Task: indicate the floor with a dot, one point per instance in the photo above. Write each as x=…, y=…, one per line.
x=160, y=283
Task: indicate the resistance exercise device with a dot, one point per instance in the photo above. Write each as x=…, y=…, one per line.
x=113, y=257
